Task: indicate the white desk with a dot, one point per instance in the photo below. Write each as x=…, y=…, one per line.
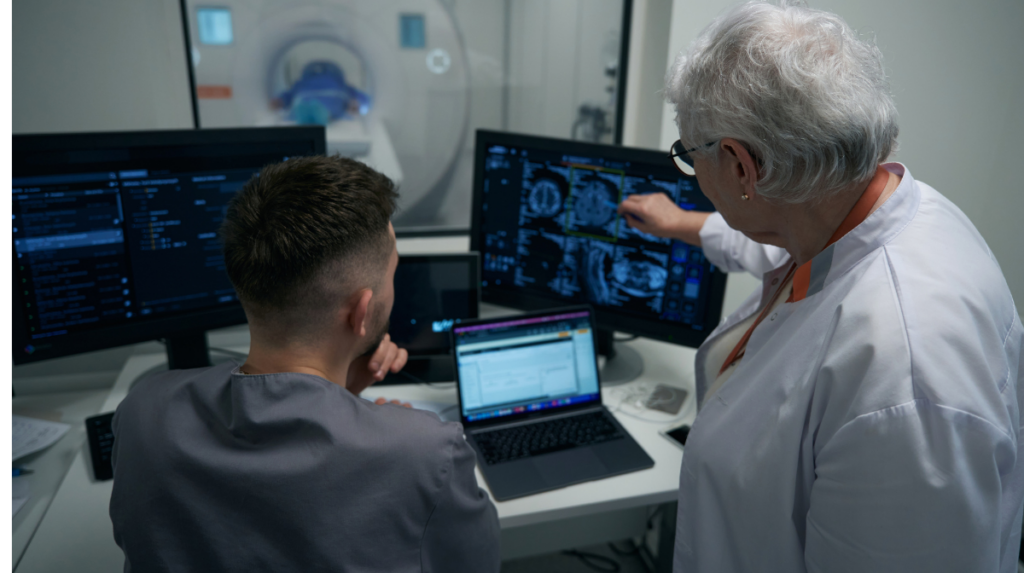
x=76, y=535
x=50, y=465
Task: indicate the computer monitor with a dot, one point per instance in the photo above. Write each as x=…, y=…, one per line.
x=116, y=236
x=432, y=293
x=546, y=226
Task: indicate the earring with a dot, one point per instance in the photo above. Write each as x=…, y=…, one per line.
x=745, y=197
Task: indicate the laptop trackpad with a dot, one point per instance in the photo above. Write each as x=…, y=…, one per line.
x=576, y=465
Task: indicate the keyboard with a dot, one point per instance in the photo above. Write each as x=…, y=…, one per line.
x=101, y=445
x=505, y=445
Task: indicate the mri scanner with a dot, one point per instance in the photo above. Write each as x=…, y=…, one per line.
x=388, y=78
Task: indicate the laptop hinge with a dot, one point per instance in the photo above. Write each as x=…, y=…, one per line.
x=523, y=422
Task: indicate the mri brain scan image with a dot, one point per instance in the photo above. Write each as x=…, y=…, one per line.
x=545, y=198
x=597, y=286
x=554, y=219
x=639, y=278
x=594, y=204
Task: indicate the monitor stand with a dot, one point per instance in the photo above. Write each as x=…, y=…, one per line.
x=622, y=363
x=187, y=350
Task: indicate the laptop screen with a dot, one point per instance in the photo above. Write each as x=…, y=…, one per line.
x=522, y=365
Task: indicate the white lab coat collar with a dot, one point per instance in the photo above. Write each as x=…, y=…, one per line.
x=873, y=233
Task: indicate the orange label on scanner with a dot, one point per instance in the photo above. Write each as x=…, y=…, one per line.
x=213, y=92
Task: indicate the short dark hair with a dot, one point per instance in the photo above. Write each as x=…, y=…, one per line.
x=300, y=229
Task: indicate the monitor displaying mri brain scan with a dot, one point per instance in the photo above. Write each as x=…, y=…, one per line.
x=402, y=85
x=548, y=230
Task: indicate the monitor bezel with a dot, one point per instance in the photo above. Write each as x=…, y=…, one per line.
x=473, y=258
x=610, y=319
x=591, y=316
x=188, y=322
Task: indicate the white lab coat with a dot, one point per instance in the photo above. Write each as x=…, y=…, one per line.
x=872, y=426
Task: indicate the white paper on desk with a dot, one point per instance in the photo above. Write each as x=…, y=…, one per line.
x=16, y=504
x=19, y=495
x=447, y=412
x=31, y=435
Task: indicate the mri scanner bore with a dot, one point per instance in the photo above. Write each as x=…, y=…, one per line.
x=321, y=95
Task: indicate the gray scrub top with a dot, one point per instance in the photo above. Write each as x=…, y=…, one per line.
x=215, y=470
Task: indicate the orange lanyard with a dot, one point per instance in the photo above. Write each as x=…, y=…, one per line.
x=741, y=346
x=801, y=275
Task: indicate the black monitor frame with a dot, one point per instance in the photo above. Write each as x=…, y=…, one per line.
x=608, y=320
x=432, y=365
x=185, y=333
x=472, y=260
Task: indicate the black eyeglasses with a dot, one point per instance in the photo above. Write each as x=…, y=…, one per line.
x=681, y=157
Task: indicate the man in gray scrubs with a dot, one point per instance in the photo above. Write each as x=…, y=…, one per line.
x=277, y=464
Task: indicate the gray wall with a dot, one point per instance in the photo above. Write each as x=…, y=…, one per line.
x=957, y=72
x=556, y=61
x=645, y=81
x=100, y=65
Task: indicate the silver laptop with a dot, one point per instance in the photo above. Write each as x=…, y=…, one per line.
x=530, y=402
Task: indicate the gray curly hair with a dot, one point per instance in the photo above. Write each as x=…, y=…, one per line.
x=808, y=98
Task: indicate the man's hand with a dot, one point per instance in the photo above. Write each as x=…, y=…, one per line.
x=657, y=215
x=364, y=371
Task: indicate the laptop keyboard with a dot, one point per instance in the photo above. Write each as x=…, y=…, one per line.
x=538, y=438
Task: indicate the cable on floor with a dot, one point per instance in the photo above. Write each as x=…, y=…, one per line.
x=637, y=550
x=595, y=561
x=653, y=516
x=633, y=549
x=646, y=558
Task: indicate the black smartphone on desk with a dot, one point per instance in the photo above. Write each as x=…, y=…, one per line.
x=677, y=435
x=101, y=445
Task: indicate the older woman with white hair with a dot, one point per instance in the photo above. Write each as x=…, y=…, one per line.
x=861, y=412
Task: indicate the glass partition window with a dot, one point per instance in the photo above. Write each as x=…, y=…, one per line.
x=403, y=84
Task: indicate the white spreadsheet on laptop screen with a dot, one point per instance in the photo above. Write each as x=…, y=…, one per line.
x=544, y=364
